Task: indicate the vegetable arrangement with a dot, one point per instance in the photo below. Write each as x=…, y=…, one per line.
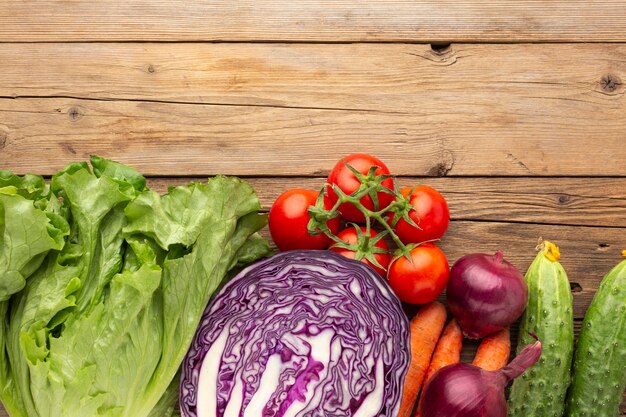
x=485, y=294
x=464, y=390
x=361, y=192
x=302, y=333
x=104, y=283
x=460, y=389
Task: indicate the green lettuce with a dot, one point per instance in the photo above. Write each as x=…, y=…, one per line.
x=103, y=283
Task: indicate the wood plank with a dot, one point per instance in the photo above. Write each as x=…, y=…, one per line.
x=558, y=201
x=588, y=253
x=182, y=139
x=477, y=84
x=314, y=20
x=469, y=110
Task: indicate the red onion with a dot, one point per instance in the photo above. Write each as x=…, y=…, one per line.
x=464, y=390
x=485, y=293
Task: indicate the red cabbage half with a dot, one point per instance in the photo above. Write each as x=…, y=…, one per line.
x=304, y=333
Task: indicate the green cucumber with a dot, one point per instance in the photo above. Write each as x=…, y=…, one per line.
x=600, y=362
x=540, y=392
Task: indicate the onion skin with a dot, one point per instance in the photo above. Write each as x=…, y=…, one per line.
x=458, y=383
x=464, y=390
x=485, y=294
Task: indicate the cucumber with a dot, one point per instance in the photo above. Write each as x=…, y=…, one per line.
x=540, y=392
x=600, y=361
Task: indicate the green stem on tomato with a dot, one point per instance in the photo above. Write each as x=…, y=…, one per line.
x=370, y=184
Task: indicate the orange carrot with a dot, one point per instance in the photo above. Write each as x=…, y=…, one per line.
x=447, y=352
x=494, y=351
x=426, y=328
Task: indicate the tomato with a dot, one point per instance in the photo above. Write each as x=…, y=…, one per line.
x=431, y=214
x=350, y=235
x=289, y=218
x=348, y=183
x=420, y=281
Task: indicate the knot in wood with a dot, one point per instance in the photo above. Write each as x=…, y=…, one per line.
x=74, y=113
x=151, y=69
x=563, y=199
x=610, y=83
x=440, y=48
x=3, y=140
x=443, y=167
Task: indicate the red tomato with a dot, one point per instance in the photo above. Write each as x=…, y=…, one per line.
x=431, y=214
x=350, y=236
x=420, y=281
x=289, y=218
x=348, y=183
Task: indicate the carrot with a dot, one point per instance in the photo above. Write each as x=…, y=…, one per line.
x=426, y=328
x=494, y=351
x=447, y=352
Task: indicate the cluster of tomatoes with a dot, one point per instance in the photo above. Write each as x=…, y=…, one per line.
x=418, y=273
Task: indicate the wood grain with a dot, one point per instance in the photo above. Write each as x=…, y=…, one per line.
x=490, y=84
x=468, y=110
x=556, y=201
x=314, y=20
x=183, y=139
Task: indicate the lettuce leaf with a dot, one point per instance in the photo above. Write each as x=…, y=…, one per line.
x=103, y=283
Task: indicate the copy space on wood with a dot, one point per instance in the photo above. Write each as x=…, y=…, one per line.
x=313, y=20
x=181, y=139
x=265, y=109
x=495, y=84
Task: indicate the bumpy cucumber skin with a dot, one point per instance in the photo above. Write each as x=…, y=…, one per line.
x=540, y=391
x=600, y=361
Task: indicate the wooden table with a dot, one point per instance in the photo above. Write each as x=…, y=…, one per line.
x=515, y=111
